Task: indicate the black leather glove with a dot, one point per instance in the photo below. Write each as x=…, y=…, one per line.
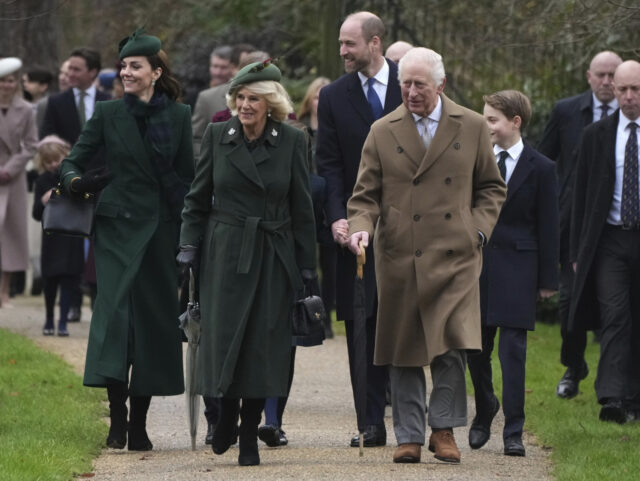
x=92, y=181
x=310, y=281
x=188, y=258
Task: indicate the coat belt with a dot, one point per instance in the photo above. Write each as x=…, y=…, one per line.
x=275, y=230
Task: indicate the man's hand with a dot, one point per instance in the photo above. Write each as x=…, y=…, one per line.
x=5, y=177
x=340, y=231
x=546, y=293
x=355, y=240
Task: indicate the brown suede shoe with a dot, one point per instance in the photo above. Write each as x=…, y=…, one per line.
x=407, y=453
x=443, y=444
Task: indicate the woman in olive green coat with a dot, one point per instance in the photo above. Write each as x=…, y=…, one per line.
x=249, y=216
x=146, y=137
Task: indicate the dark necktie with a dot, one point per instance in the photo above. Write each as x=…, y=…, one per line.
x=605, y=111
x=629, y=207
x=502, y=163
x=81, y=110
x=374, y=100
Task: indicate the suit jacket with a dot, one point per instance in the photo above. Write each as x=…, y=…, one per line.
x=593, y=193
x=136, y=233
x=209, y=102
x=426, y=207
x=522, y=255
x=560, y=142
x=344, y=121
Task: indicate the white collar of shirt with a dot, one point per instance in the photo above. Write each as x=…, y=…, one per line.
x=432, y=119
x=597, y=111
x=515, y=151
x=380, y=85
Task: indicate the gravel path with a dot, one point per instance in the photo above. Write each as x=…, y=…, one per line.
x=319, y=422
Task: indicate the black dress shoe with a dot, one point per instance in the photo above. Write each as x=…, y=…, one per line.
x=283, y=439
x=208, y=439
x=270, y=435
x=568, y=385
x=74, y=314
x=613, y=410
x=480, y=431
x=374, y=435
x=513, y=446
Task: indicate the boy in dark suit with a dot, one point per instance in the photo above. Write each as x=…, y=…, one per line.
x=520, y=264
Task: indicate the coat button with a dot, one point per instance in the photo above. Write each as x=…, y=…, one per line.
x=447, y=180
x=449, y=253
x=447, y=216
x=400, y=149
x=127, y=215
x=416, y=181
x=416, y=217
x=418, y=253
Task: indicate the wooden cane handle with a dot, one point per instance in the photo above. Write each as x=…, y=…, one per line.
x=361, y=260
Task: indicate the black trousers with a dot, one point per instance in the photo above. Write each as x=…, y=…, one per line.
x=617, y=271
x=377, y=376
x=574, y=343
x=512, y=351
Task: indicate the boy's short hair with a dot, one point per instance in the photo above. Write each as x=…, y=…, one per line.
x=511, y=103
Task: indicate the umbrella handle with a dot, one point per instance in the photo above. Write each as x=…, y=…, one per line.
x=361, y=260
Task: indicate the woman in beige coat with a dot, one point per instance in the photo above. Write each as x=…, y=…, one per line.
x=18, y=138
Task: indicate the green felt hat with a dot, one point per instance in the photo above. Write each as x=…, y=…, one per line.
x=256, y=72
x=139, y=44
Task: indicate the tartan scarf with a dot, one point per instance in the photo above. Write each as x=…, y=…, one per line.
x=158, y=140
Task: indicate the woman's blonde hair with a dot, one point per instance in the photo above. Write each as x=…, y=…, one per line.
x=49, y=150
x=278, y=101
x=313, y=88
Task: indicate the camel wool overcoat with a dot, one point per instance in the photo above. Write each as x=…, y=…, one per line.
x=427, y=209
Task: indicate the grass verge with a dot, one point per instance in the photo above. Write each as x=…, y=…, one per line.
x=50, y=426
x=582, y=447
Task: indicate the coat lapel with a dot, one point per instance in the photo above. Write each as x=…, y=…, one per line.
x=127, y=128
x=520, y=173
x=10, y=121
x=69, y=106
x=404, y=130
x=607, y=131
x=448, y=128
x=239, y=156
x=358, y=100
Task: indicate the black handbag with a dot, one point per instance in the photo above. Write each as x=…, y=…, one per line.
x=68, y=215
x=308, y=318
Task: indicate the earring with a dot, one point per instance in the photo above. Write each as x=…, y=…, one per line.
x=153, y=83
x=268, y=112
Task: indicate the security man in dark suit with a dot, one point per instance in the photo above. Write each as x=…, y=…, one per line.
x=346, y=109
x=605, y=246
x=67, y=113
x=560, y=142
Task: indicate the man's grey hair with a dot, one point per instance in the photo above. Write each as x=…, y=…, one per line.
x=223, y=52
x=426, y=56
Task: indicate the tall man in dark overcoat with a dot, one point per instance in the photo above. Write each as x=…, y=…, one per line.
x=560, y=142
x=605, y=246
x=345, y=115
x=429, y=187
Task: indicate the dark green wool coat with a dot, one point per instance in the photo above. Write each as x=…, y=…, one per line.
x=251, y=213
x=135, y=316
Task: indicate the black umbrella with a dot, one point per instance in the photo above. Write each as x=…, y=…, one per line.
x=190, y=324
x=360, y=347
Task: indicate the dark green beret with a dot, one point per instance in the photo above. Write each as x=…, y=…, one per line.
x=256, y=72
x=139, y=44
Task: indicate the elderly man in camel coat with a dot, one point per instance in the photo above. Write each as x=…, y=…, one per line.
x=429, y=187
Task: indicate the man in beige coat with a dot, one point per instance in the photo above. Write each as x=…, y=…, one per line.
x=429, y=186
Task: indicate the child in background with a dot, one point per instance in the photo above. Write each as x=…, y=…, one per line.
x=62, y=257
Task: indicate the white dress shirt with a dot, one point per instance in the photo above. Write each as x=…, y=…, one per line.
x=89, y=100
x=622, y=135
x=514, y=154
x=597, y=111
x=380, y=85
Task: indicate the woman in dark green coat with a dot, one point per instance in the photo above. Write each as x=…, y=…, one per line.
x=249, y=218
x=146, y=138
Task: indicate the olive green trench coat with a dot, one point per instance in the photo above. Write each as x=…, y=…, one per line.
x=251, y=214
x=427, y=208
x=135, y=318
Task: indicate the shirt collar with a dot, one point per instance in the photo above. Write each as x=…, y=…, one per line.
x=514, y=151
x=90, y=92
x=435, y=115
x=613, y=105
x=624, y=121
x=382, y=76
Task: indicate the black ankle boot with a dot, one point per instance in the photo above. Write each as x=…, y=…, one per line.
x=226, y=432
x=138, y=439
x=117, y=394
x=250, y=415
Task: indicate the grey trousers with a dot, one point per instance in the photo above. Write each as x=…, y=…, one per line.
x=447, y=403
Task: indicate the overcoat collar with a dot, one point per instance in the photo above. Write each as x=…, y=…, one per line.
x=125, y=125
x=404, y=130
x=241, y=157
x=607, y=130
x=521, y=172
